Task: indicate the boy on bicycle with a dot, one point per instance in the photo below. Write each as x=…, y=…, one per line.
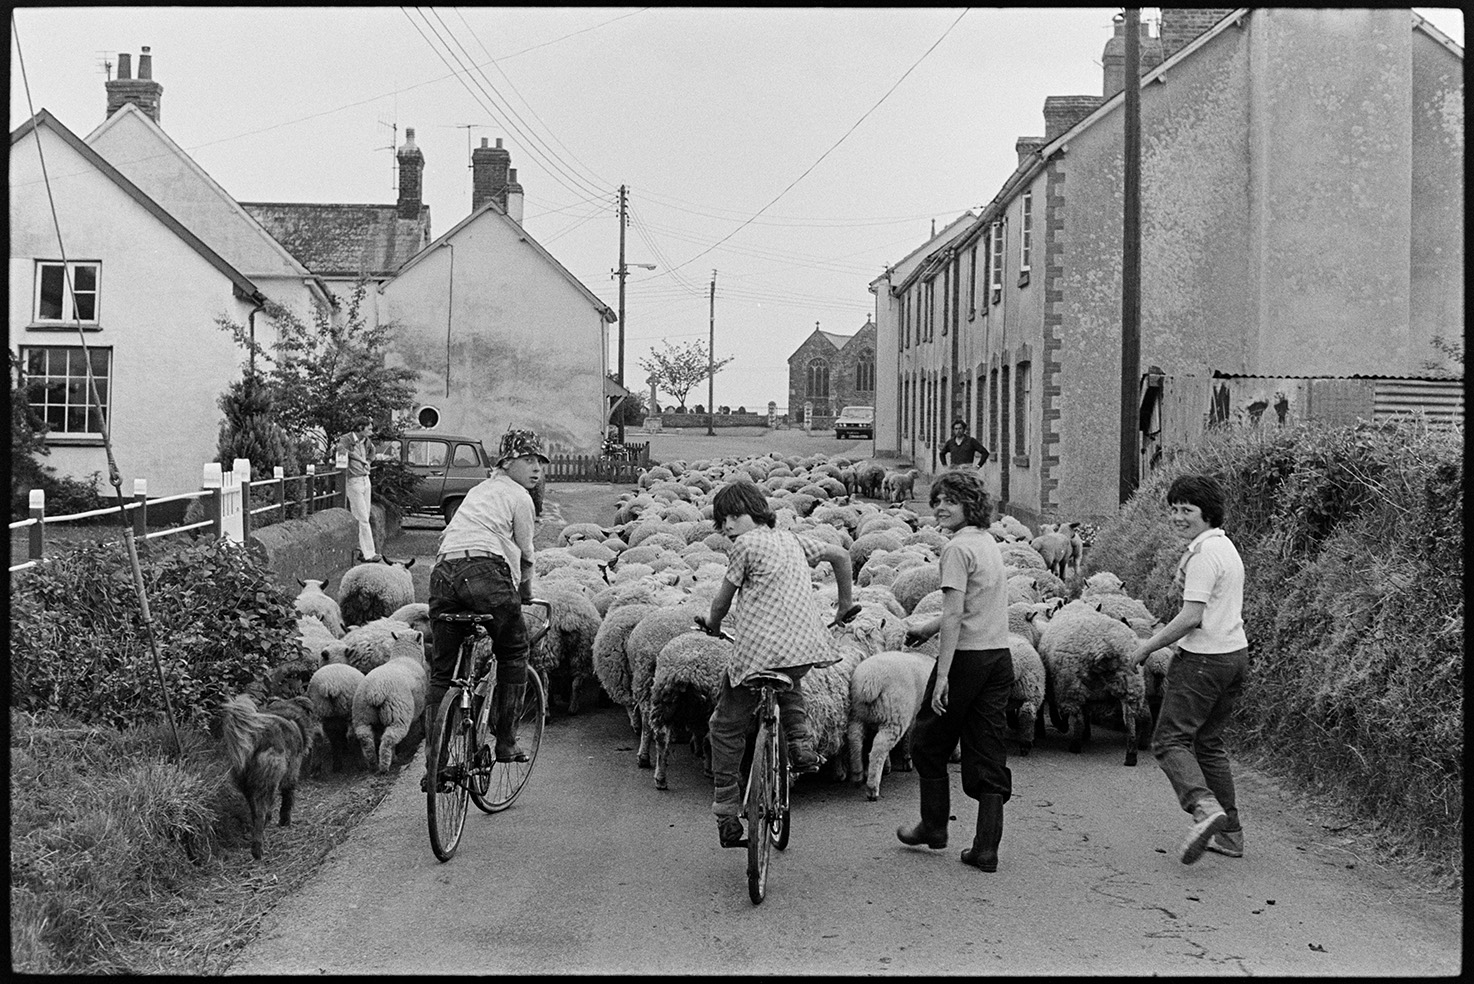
x=485, y=566
x=776, y=626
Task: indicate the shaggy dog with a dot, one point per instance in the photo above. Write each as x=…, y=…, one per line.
x=266, y=751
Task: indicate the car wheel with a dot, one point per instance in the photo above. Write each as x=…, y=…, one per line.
x=448, y=509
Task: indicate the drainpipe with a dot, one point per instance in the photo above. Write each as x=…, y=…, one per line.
x=260, y=304
x=449, y=306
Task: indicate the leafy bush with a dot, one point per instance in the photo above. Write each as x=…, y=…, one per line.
x=395, y=486
x=1352, y=540
x=78, y=643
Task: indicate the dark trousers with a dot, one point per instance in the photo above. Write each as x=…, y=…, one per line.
x=1188, y=740
x=978, y=686
x=483, y=585
x=727, y=730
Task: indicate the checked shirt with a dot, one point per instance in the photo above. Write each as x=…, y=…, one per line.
x=776, y=621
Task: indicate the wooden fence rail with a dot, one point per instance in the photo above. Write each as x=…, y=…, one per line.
x=599, y=468
x=229, y=499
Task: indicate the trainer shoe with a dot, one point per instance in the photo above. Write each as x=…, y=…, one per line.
x=1209, y=819
x=1229, y=843
x=729, y=832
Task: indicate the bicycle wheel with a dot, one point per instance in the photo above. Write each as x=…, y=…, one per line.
x=503, y=781
x=780, y=806
x=447, y=810
x=759, y=804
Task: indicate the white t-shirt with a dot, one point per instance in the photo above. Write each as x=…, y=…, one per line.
x=497, y=515
x=1211, y=572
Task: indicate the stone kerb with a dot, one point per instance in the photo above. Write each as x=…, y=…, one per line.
x=319, y=546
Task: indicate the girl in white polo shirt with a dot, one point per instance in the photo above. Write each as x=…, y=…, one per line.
x=1206, y=674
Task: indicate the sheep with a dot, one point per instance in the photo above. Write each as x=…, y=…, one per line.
x=314, y=600
x=684, y=692
x=1026, y=700
x=1053, y=544
x=898, y=485
x=827, y=688
x=1021, y=556
x=914, y=583
x=417, y=616
x=611, y=663
x=570, y=641
x=370, y=591
x=389, y=700
x=315, y=638
x=368, y=646
x=1087, y=656
x=642, y=648
x=1102, y=583
x=1124, y=607
x=1154, y=670
x=331, y=691
x=868, y=478
x=1029, y=618
x=885, y=697
x=1022, y=587
x=578, y=532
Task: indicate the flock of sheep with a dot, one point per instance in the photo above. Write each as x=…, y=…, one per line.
x=624, y=599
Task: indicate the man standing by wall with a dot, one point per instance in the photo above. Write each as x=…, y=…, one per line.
x=355, y=444
x=961, y=448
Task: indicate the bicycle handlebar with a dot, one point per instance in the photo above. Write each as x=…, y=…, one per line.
x=840, y=619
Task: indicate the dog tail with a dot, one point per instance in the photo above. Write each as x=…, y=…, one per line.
x=241, y=725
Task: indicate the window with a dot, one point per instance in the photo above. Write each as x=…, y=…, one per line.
x=57, y=390
x=931, y=307
x=993, y=409
x=997, y=284
x=979, y=424
x=430, y=454
x=865, y=371
x=905, y=321
x=1026, y=234
x=56, y=304
x=817, y=381
x=428, y=417
x=972, y=282
x=946, y=296
x=466, y=456
x=1022, y=384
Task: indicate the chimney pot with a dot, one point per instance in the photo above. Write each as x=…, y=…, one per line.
x=125, y=65
x=498, y=141
x=483, y=141
x=145, y=64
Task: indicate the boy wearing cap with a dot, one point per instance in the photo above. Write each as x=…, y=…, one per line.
x=484, y=565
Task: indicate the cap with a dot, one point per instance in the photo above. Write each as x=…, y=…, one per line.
x=517, y=443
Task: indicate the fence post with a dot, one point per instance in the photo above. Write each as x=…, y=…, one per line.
x=140, y=515
x=311, y=484
x=213, y=481
x=242, y=468
x=340, y=482
x=38, y=528
x=278, y=475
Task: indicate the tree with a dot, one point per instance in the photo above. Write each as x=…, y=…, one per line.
x=249, y=429
x=678, y=368
x=320, y=377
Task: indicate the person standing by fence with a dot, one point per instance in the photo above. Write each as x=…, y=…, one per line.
x=355, y=444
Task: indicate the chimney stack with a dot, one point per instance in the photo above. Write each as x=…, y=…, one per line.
x=143, y=91
x=411, y=172
x=1025, y=146
x=1182, y=25
x=514, y=197
x=1113, y=59
x=1063, y=112
x=489, y=174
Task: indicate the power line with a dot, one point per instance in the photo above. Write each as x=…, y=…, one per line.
x=836, y=143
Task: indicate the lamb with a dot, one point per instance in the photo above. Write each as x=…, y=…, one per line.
x=1054, y=545
x=898, y=486
x=390, y=699
x=1026, y=700
x=315, y=638
x=370, y=645
x=684, y=692
x=314, y=600
x=1087, y=656
x=885, y=697
x=370, y=591
x=331, y=691
x=827, y=688
x=642, y=648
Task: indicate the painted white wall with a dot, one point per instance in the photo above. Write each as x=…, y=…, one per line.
x=158, y=300
x=501, y=338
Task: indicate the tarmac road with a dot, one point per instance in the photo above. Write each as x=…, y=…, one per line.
x=595, y=871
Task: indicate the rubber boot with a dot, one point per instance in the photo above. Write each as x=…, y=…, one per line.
x=935, y=806
x=508, y=712
x=984, y=851
x=432, y=735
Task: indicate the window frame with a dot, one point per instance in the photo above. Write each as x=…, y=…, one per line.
x=972, y=283
x=1023, y=395
x=1026, y=235
x=996, y=287
x=62, y=433
x=811, y=392
x=68, y=295
x=865, y=371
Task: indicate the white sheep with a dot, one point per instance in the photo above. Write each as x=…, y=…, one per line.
x=386, y=704
x=569, y=644
x=377, y=642
x=1087, y=657
x=914, y=583
x=1102, y=583
x=1026, y=699
x=684, y=692
x=331, y=691
x=370, y=591
x=1054, y=545
x=314, y=600
x=1154, y=670
x=899, y=484
x=827, y=688
x=642, y=648
x=885, y=697
x=315, y=637
x=611, y=663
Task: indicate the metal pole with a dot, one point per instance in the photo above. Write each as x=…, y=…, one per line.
x=619, y=376
x=1131, y=261
x=710, y=357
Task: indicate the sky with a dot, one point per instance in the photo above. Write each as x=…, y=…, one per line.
x=786, y=154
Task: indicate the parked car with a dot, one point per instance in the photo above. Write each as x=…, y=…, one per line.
x=855, y=422
x=448, y=465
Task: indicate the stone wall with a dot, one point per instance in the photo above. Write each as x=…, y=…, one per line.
x=320, y=546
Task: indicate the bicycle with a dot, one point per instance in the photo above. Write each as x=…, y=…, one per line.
x=463, y=759
x=765, y=802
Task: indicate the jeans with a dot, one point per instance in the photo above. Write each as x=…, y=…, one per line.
x=484, y=585
x=978, y=686
x=728, y=728
x=1188, y=740
x=359, y=495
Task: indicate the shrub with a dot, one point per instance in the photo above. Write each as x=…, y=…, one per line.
x=1352, y=540
x=395, y=487
x=79, y=646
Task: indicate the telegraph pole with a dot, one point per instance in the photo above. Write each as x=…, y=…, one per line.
x=710, y=356
x=619, y=373
x=1131, y=262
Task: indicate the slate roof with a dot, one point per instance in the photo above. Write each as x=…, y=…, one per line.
x=344, y=240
